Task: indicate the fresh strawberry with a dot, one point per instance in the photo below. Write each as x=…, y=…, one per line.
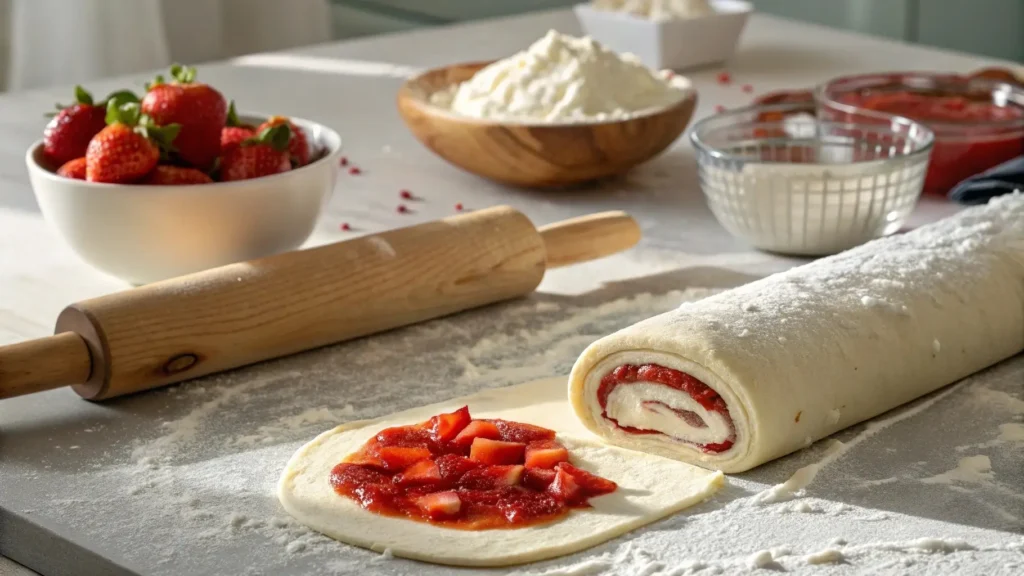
x=422, y=472
x=445, y=427
x=399, y=457
x=565, y=487
x=232, y=136
x=591, y=484
x=73, y=169
x=545, y=454
x=235, y=132
x=67, y=135
x=264, y=155
x=440, y=505
x=477, y=429
x=298, y=146
x=496, y=452
x=491, y=477
x=128, y=148
x=199, y=109
x=176, y=175
x=538, y=478
x=520, y=432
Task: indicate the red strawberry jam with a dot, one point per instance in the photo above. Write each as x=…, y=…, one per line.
x=458, y=472
x=628, y=374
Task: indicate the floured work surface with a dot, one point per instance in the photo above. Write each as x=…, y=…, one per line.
x=182, y=480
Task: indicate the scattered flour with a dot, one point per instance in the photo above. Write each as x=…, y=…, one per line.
x=972, y=469
x=1011, y=432
x=761, y=559
x=804, y=476
x=826, y=556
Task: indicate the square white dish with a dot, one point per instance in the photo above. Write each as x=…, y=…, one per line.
x=676, y=44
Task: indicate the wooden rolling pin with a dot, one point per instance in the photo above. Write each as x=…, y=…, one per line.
x=243, y=313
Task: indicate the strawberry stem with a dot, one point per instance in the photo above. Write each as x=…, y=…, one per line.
x=183, y=74
x=156, y=82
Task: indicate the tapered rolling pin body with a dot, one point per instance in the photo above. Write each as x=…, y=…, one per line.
x=248, y=312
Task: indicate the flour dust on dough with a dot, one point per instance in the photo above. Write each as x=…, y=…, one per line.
x=650, y=487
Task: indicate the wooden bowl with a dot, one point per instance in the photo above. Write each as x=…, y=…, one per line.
x=535, y=155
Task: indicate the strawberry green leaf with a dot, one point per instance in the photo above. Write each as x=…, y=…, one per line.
x=276, y=137
x=233, y=119
x=128, y=113
x=122, y=97
x=82, y=96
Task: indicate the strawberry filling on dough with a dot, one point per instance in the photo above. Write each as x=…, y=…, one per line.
x=458, y=472
x=652, y=399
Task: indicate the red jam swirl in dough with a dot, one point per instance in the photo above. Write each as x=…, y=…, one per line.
x=652, y=373
x=468, y=474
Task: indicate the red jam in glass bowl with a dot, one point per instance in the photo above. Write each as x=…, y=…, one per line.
x=978, y=122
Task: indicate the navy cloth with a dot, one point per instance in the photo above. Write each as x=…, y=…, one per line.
x=980, y=188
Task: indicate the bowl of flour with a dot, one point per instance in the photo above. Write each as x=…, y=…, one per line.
x=564, y=111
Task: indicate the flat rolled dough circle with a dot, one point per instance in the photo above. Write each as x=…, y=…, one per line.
x=650, y=487
x=800, y=355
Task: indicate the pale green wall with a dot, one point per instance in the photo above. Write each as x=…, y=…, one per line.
x=988, y=27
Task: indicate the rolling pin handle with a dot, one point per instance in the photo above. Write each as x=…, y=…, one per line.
x=43, y=364
x=589, y=237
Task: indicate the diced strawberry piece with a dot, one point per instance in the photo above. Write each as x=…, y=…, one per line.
x=408, y=436
x=591, y=484
x=352, y=473
x=422, y=472
x=538, y=478
x=440, y=505
x=545, y=454
x=400, y=457
x=364, y=458
x=491, y=477
x=519, y=432
x=477, y=429
x=445, y=427
x=453, y=467
x=496, y=452
x=565, y=488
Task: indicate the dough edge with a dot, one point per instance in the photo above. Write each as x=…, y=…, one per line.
x=693, y=486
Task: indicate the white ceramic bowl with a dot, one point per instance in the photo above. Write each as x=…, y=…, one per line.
x=677, y=44
x=143, y=234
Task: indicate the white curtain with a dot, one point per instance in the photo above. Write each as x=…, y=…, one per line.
x=54, y=42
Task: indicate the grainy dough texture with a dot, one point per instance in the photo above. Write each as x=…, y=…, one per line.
x=650, y=487
x=805, y=353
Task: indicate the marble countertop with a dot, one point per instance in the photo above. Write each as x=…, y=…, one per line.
x=181, y=480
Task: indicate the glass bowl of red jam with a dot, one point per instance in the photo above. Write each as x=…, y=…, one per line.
x=978, y=122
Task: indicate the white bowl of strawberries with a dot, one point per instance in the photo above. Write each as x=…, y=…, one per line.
x=176, y=182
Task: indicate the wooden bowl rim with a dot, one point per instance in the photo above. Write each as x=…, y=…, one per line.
x=413, y=95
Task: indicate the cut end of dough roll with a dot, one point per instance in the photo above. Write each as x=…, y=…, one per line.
x=754, y=373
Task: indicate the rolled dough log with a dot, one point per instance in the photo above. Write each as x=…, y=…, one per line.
x=650, y=487
x=802, y=354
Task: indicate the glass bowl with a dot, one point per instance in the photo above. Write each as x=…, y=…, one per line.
x=788, y=182
x=978, y=122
